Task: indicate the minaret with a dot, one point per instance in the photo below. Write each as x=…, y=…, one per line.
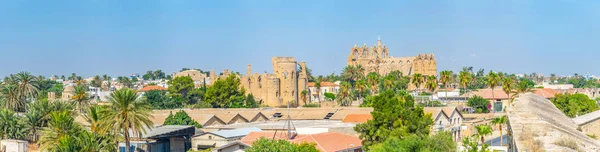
x=378, y=40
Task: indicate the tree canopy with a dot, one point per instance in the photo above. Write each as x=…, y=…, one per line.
x=574, y=105
x=439, y=142
x=394, y=115
x=269, y=145
x=225, y=93
x=181, y=118
x=479, y=104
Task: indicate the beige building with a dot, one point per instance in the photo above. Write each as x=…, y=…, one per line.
x=278, y=88
x=198, y=77
x=326, y=87
x=220, y=138
x=377, y=59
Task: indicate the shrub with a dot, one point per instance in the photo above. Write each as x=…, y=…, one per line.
x=480, y=104
x=311, y=105
x=566, y=142
x=329, y=96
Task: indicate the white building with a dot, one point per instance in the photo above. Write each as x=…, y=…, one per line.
x=220, y=138
x=11, y=145
x=326, y=87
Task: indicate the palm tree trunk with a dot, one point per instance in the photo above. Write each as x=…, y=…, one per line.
x=501, y=135
x=127, y=143
x=482, y=141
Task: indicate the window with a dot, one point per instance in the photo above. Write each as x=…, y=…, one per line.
x=242, y=147
x=209, y=137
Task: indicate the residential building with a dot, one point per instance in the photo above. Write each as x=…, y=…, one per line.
x=326, y=87
x=173, y=138
x=325, y=142
x=11, y=145
x=220, y=138
x=236, y=146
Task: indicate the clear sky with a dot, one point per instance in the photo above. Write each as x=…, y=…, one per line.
x=92, y=37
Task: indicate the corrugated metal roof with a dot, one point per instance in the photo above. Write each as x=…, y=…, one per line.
x=235, y=132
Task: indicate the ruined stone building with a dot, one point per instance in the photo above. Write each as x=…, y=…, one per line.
x=274, y=89
x=377, y=59
x=198, y=77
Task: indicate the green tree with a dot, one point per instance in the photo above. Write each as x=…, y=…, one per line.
x=181, y=86
x=500, y=121
x=251, y=102
x=574, y=105
x=126, y=113
x=81, y=97
x=318, y=88
x=441, y=141
x=480, y=104
x=160, y=100
x=492, y=81
x=445, y=78
x=330, y=96
x=10, y=125
x=360, y=87
x=303, y=96
x=181, y=118
x=417, y=80
x=394, y=115
x=464, y=78
x=34, y=120
x=280, y=145
x=344, y=94
x=482, y=131
x=61, y=128
x=507, y=86
x=224, y=93
x=523, y=86
x=431, y=83
x=373, y=81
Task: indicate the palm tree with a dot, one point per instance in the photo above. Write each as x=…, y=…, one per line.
x=105, y=77
x=360, y=72
x=93, y=117
x=33, y=122
x=373, y=81
x=521, y=88
x=507, y=85
x=73, y=76
x=62, y=77
x=483, y=130
x=445, y=77
x=126, y=113
x=464, y=78
x=96, y=82
x=360, y=87
x=499, y=121
x=343, y=95
x=10, y=127
x=81, y=97
x=12, y=98
x=318, y=87
x=79, y=80
x=94, y=142
x=61, y=126
x=492, y=81
x=303, y=95
x=431, y=83
x=417, y=80
x=27, y=85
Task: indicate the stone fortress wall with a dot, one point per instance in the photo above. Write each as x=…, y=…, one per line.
x=376, y=59
x=273, y=89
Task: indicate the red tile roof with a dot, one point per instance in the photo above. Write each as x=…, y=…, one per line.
x=357, y=118
x=323, y=84
x=326, y=142
x=152, y=87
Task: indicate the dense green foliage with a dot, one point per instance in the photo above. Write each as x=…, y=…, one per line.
x=160, y=100
x=441, y=141
x=154, y=75
x=479, y=104
x=269, y=145
x=329, y=96
x=574, y=105
x=251, y=102
x=394, y=115
x=226, y=93
x=181, y=118
x=181, y=87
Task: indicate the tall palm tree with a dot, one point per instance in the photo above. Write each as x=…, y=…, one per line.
x=27, y=85
x=360, y=87
x=521, y=88
x=464, y=78
x=507, y=85
x=12, y=98
x=10, y=127
x=417, y=80
x=373, y=81
x=105, y=77
x=445, y=77
x=62, y=77
x=431, y=83
x=492, y=80
x=79, y=80
x=360, y=73
x=499, y=121
x=96, y=82
x=482, y=131
x=81, y=97
x=303, y=95
x=93, y=116
x=344, y=94
x=318, y=87
x=126, y=113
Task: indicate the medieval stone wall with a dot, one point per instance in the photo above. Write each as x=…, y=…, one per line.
x=276, y=89
x=377, y=59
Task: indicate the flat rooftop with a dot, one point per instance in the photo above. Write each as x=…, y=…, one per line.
x=278, y=125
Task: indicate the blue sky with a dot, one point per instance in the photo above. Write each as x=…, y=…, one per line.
x=92, y=37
